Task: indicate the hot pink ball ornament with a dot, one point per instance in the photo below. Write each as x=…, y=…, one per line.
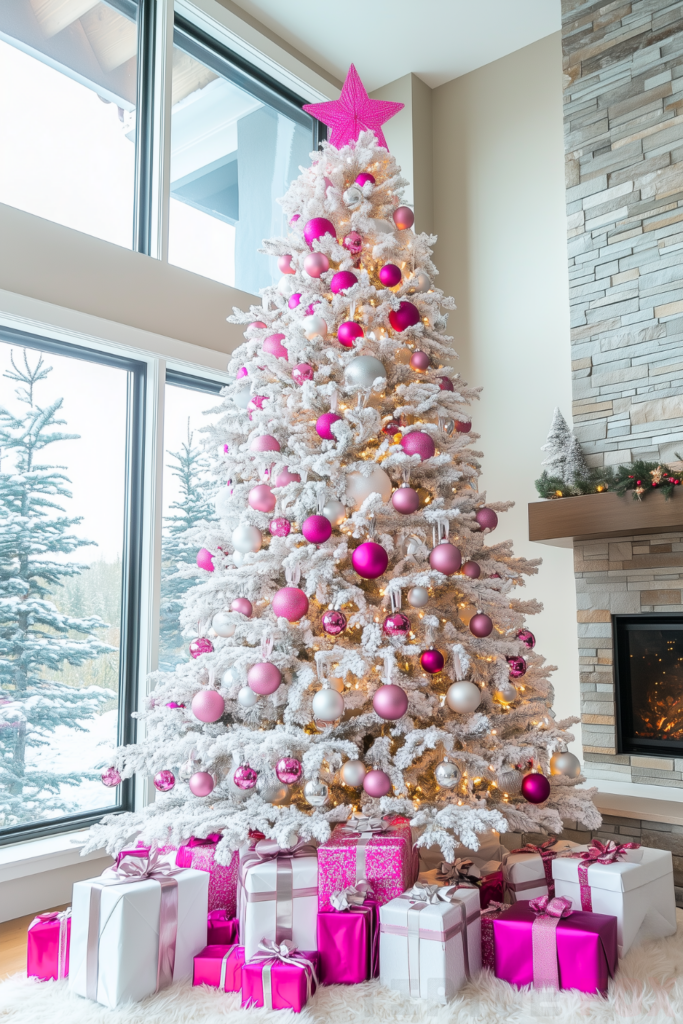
x=294, y=218
x=294, y=300
x=208, y=706
x=280, y=527
x=445, y=384
x=396, y=624
x=284, y=264
x=273, y=345
x=200, y=646
x=445, y=558
x=242, y=605
x=348, y=332
x=419, y=361
x=316, y=264
x=342, y=281
x=302, y=372
x=418, y=443
x=164, y=780
x=201, y=784
x=256, y=403
x=262, y=498
x=390, y=702
x=265, y=443
x=288, y=770
x=316, y=529
x=517, y=666
x=527, y=638
x=404, y=218
x=242, y=372
x=481, y=625
x=487, y=518
x=463, y=426
x=284, y=477
x=363, y=178
x=110, y=778
x=377, y=783
x=205, y=560
x=407, y=315
x=370, y=560
x=257, y=325
x=390, y=275
x=316, y=228
x=323, y=424
x=535, y=788
x=174, y=704
x=405, y=500
x=264, y=678
x=472, y=570
x=333, y=622
x=353, y=242
x=291, y=603
x=432, y=661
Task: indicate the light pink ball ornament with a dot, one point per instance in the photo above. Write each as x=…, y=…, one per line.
x=284, y=477
x=264, y=678
x=316, y=228
x=364, y=177
x=242, y=605
x=280, y=527
x=316, y=529
x=472, y=569
x=418, y=443
x=262, y=498
x=288, y=770
x=487, y=518
x=164, y=781
x=445, y=558
x=396, y=624
x=353, y=242
x=348, y=332
x=200, y=646
x=257, y=325
x=316, y=264
x=342, y=281
x=481, y=625
x=390, y=275
x=110, y=778
x=290, y=603
x=377, y=783
x=405, y=500
x=294, y=300
x=404, y=218
x=273, y=345
x=370, y=560
x=419, y=361
x=265, y=443
x=244, y=777
x=302, y=372
x=407, y=315
x=284, y=264
x=201, y=784
x=205, y=560
x=324, y=423
x=208, y=706
x=445, y=384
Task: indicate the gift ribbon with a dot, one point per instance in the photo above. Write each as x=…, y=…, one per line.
x=351, y=896
x=549, y=913
x=362, y=828
x=269, y=953
x=137, y=865
x=210, y=840
x=224, y=966
x=547, y=854
x=460, y=870
x=284, y=894
x=598, y=853
x=62, y=916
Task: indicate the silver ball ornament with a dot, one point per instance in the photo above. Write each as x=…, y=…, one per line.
x=286, y=286
x=419, y=282
x=418, y=597
x=335, y=511
x=328, y=705
x=316, y=793
x=359, y=486
x=565, y=763
x=272, y=792
x=353, y=773
x=447, y=775
x=510, y=781
x=463, y=697
x=247, y=539
x=505, y=693
x=222, y=625
x=187, y=770
x=242, y=396
x=246, y=697
x=363, y=370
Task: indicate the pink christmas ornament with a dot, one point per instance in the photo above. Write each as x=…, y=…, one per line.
x=419, y=361
x=418, y=443
x=273, y=345
x=257, y=325
x=333, y=622
x=407, y=315
x=316, y=228
x=377, y=783
x=284, y=477
x=200, y=646
x=370, y=560
x=316, y=529
x=316, y=264
x=404, y=218
x=242, y=372
x=342, y=281
x=245, y=777
x=535, y=788
x=164, y=780
x=432, y=661
x=445, y=558
x=481, y=625
x=208, y=706
x=463, y=426
x=205, y=560
x=290, y=603
x=280, y=527
x=201, y=784
x=348, y=332
x=363, y=178
x=255, y=403
x=243, y=606
x=405, y=500
x=472, y=570
x=353, y=113
x=390, y=275
x=294, y=300
x=517, y=666
x=284, y=264
x=302, y=372
x=173, y=704
x=390, y=702
x=445, y=384
x=262, y=498
x=288, y=770
x=294, y=218
x=396, y=624
x=323, y=424
x=264, y=678
x=353, y=242
x=487, y=518
x=110, y=778
x=265, y=443
x=527, y=638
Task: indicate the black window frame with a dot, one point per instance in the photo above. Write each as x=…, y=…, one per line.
x=132, y=568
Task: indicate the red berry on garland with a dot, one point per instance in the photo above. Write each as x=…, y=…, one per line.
x=535, y=788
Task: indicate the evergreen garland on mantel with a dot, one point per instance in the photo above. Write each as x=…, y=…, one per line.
x=640, y=477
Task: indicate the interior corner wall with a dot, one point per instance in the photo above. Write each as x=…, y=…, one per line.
x=499, y=211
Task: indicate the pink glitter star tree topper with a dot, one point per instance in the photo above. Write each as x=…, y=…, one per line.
x=353, y=113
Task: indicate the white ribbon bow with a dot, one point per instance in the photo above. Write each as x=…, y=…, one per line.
x=351, y=896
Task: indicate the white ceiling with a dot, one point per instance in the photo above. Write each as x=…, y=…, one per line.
x=385, y=39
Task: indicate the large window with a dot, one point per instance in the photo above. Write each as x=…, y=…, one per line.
x=71, y=435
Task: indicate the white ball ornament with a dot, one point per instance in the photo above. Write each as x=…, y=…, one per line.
x=418, y=597
x=242, y=397
x=246, y=697
x=222, y=625
x=381, y=227
x=353, y=773
x=362, y=371
x=316, y=793
x=419, y=282
x=238, y=558
x=223, y=502
x=334, y=511
x=509, y=781
x=247, y=539
x=447, y=775
x=463, y=697
x=328, y=705
x=359, y=487
x=352, y=197
x=314, y=326
x=565, y=763
x=286, y=286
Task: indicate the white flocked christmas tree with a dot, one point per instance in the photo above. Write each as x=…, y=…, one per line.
x=360, y=640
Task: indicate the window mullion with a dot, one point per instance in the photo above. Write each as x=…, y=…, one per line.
x=144, y=135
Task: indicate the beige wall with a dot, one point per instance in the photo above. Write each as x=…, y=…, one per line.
x=499, y=213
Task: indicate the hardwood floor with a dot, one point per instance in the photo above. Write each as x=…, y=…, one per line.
x=13, y=943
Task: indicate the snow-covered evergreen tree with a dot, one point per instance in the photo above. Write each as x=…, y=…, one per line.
x=35, y=638
x=565, y=457
x=575, y=467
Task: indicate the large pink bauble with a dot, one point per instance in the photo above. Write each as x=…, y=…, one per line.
x=265, y=443
x=342, y=281
x=517, y=666
x=284, y=264
x=445, y=558
x=294, y=300
x=405, y=500
x=205, y=560
x=288, y=770
x=377, y=783
x=481, y=625
x=316, y=228
x=242, y=605
x=280, y=527
x=407, y=315
x=201, y=784
x=264, y=678
x=527, y=638
x=284, y=477
x=353, y=242
x=370, y=560
x=208, y=706
x=242, y=372
x=316, y=264
x=404, y=218
x=291, y=603
x=323, y=424
x=257, y=325
x=348, y=332
x=432, y=661
x=463, y=426
x=317, y=529
x=487, y=518
x=333, y=622
x=418, y=443
x=273, y=345
x=396, y=624
x=164, y=780
x=419, y=361
x=302, y=372
x=535, y=788
x=364, y=177
x=472, y=570
x=390, y=702
x=445, y=384
x=262, y=498
x=200, y=646
x=390, y=275
x=110, y=778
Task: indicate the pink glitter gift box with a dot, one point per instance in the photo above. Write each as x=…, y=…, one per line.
x=200, y=854
x=279, y=977
x=376, y=850
x=488, y=916
x=48, y=945
x=219, y=966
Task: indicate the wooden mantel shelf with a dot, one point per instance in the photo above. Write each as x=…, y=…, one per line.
x=560, y=521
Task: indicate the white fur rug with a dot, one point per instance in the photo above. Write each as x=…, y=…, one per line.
x=648, y=988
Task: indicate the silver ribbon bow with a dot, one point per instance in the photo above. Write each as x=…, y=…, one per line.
x=462, y=868
x=351, y=896
x=269, y=953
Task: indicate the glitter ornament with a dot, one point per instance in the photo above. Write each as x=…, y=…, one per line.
x=261, y=498
x=405, y=500
x=535, y=788
x=417, y=442
x=419, y=283
x=527, y=638
x=164, y=781
x=481, y=625
x=284, y=477
x=377, y=783
x=407, y=315
x=245, y=777
x=487, y=518
x=208, y=706
x=390, y=275
x=463, y=426
x=463, y=697
x=288, y=770
x=316, y=264
x=445, y=384
x=265, y=443
x=353, y=773
x=348, y=332
x=302, y=372
x=222, y=625
x=353, y=242
x=445, y=558
x=432, y=661
x=314, y=326
x=290, y=603
x=274, y=347
x=418, y=597
x=360, y=486
x=565, y=763
x=334, y=511
x=327, y=705
x=517, y=666
x=284, y=264
x=353, y=113
x=201, y=784
x=447, y=775
x=333, y=622
x=205, y=560
x=419, y=361
x=316, y=793
x=242, y=605
x=390, y=702
x=110, y=778
x=264, y=678
x=200, y=646
x=404, y=218
x=316, y=529
x=370, y=560
x=324, y=423
x=509, y=781
x=247, y=539
x=316, y=228
x=280, y=527
x=342, y=281
x=505, y=693
x=472, y=570
x=362, y=372
x=396, y=624
x=246, y=697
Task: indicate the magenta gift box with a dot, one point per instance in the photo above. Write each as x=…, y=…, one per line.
x=221, y=929
x=219, y=963
x=491, y=889
x=47, y=951
x=586, y=948
x=348, y=944
x=200, y=854
x=386, y=861
x=289, y=984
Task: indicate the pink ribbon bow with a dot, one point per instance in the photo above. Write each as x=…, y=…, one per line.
x=269, y=953
x=210, y=840
x=558, y=906
x=598, y=853
x=549, y=913
x=494, y=907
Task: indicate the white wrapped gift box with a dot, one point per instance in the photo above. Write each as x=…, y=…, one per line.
x=430, y=949
x=124, y=952
x=637, y=889
x=524, y=874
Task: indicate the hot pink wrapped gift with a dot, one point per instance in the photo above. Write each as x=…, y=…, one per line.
x=376, y=850
x=544, y=943
x=348, y=937
x=200, y=854
x=221, y=930
x=49, y=936
x=219, y=966
x=279, y=977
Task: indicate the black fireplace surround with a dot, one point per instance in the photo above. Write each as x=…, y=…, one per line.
x=648, y=671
